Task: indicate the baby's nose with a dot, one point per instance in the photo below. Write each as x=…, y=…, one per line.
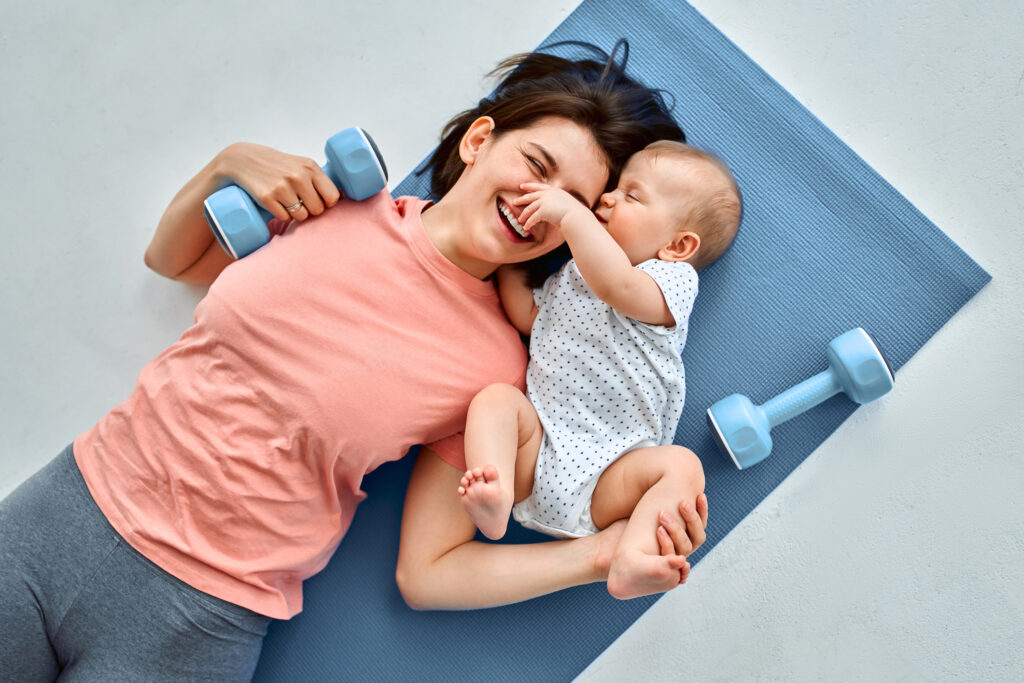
x=607, y=199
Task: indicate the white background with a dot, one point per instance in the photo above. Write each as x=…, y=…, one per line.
x=893, y=552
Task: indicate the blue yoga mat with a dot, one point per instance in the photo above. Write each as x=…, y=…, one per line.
x=826, y=245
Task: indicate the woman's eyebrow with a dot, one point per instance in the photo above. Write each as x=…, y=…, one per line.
x=544, y=153
x=554, y=167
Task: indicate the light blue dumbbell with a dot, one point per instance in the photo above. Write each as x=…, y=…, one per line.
x=857, y=367
x=354, y=164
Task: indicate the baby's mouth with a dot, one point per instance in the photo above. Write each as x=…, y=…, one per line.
x=509, y=219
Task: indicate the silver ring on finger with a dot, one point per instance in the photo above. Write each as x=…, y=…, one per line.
x=294, y=207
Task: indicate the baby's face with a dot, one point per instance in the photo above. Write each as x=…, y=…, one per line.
x=643, y=214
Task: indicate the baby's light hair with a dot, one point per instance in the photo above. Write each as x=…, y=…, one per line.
x=717, y=217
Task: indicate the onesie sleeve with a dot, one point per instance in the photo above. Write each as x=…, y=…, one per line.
x=678, y=283
x=541, y=293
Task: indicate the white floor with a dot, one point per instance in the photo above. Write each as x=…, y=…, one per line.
x=894, y=552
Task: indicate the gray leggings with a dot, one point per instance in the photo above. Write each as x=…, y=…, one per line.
x=78, y=603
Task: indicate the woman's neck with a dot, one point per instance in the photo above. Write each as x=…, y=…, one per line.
x=443, y=226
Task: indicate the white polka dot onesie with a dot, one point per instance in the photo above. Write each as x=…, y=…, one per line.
x=603, y=385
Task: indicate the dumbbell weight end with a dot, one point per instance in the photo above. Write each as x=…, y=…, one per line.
x=238, y=223
x=355, y=164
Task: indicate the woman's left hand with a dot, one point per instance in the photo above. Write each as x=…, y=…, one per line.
x=683, y=539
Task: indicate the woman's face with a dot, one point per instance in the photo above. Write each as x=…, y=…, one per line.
x=554, y=151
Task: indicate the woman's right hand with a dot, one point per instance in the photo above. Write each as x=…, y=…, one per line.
x=277, y=180
x=183, y=247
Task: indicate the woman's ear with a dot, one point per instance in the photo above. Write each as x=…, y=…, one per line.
x=474, y=138
x=682, y=247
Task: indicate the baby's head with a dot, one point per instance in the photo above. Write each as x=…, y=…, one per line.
x=675, y=203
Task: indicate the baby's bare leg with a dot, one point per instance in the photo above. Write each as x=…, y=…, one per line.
x=503, y=435
x=641, y=485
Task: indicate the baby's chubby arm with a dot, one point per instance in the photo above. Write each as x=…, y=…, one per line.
x=517, y=298
x=601, y=261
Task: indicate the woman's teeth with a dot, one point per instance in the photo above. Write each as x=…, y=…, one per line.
x=513, y=222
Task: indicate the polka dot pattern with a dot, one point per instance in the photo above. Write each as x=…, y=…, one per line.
x=603, y=385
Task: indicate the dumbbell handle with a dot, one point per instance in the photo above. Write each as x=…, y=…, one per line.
x=802, y=397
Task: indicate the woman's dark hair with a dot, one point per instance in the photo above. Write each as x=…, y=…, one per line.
x=623, y=115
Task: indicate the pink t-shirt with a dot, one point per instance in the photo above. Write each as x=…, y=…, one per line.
x=236, y=463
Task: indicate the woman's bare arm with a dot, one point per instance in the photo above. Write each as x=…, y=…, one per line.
x=517, y=298
x=440, y=566
x=183, y=247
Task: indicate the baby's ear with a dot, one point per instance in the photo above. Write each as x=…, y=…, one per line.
x=682, y=247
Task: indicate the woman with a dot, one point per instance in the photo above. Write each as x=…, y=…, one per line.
x=191, y=513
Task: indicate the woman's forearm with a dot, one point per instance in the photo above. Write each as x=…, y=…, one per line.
x=441, y=567
x=476, y=575
x=288, y=186
x=182, y=237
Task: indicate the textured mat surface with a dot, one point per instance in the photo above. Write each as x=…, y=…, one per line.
x=826, y=245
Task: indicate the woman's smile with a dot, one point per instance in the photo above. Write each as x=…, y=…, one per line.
x=508, y=217
x=477, y=226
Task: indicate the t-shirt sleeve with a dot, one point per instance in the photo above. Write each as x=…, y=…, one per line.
x=451, y=449
x=678, y=283
x=276, y=226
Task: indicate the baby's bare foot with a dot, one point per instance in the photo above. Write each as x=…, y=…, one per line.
x=486, y=504
x=634, y=573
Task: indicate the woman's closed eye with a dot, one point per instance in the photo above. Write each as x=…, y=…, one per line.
x=537, y=166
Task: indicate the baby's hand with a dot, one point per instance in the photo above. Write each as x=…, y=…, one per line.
x=545, y=203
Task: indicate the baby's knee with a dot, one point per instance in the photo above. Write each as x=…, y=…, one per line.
x=680, y=465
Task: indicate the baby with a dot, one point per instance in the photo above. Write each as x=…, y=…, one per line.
x=592, y=444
